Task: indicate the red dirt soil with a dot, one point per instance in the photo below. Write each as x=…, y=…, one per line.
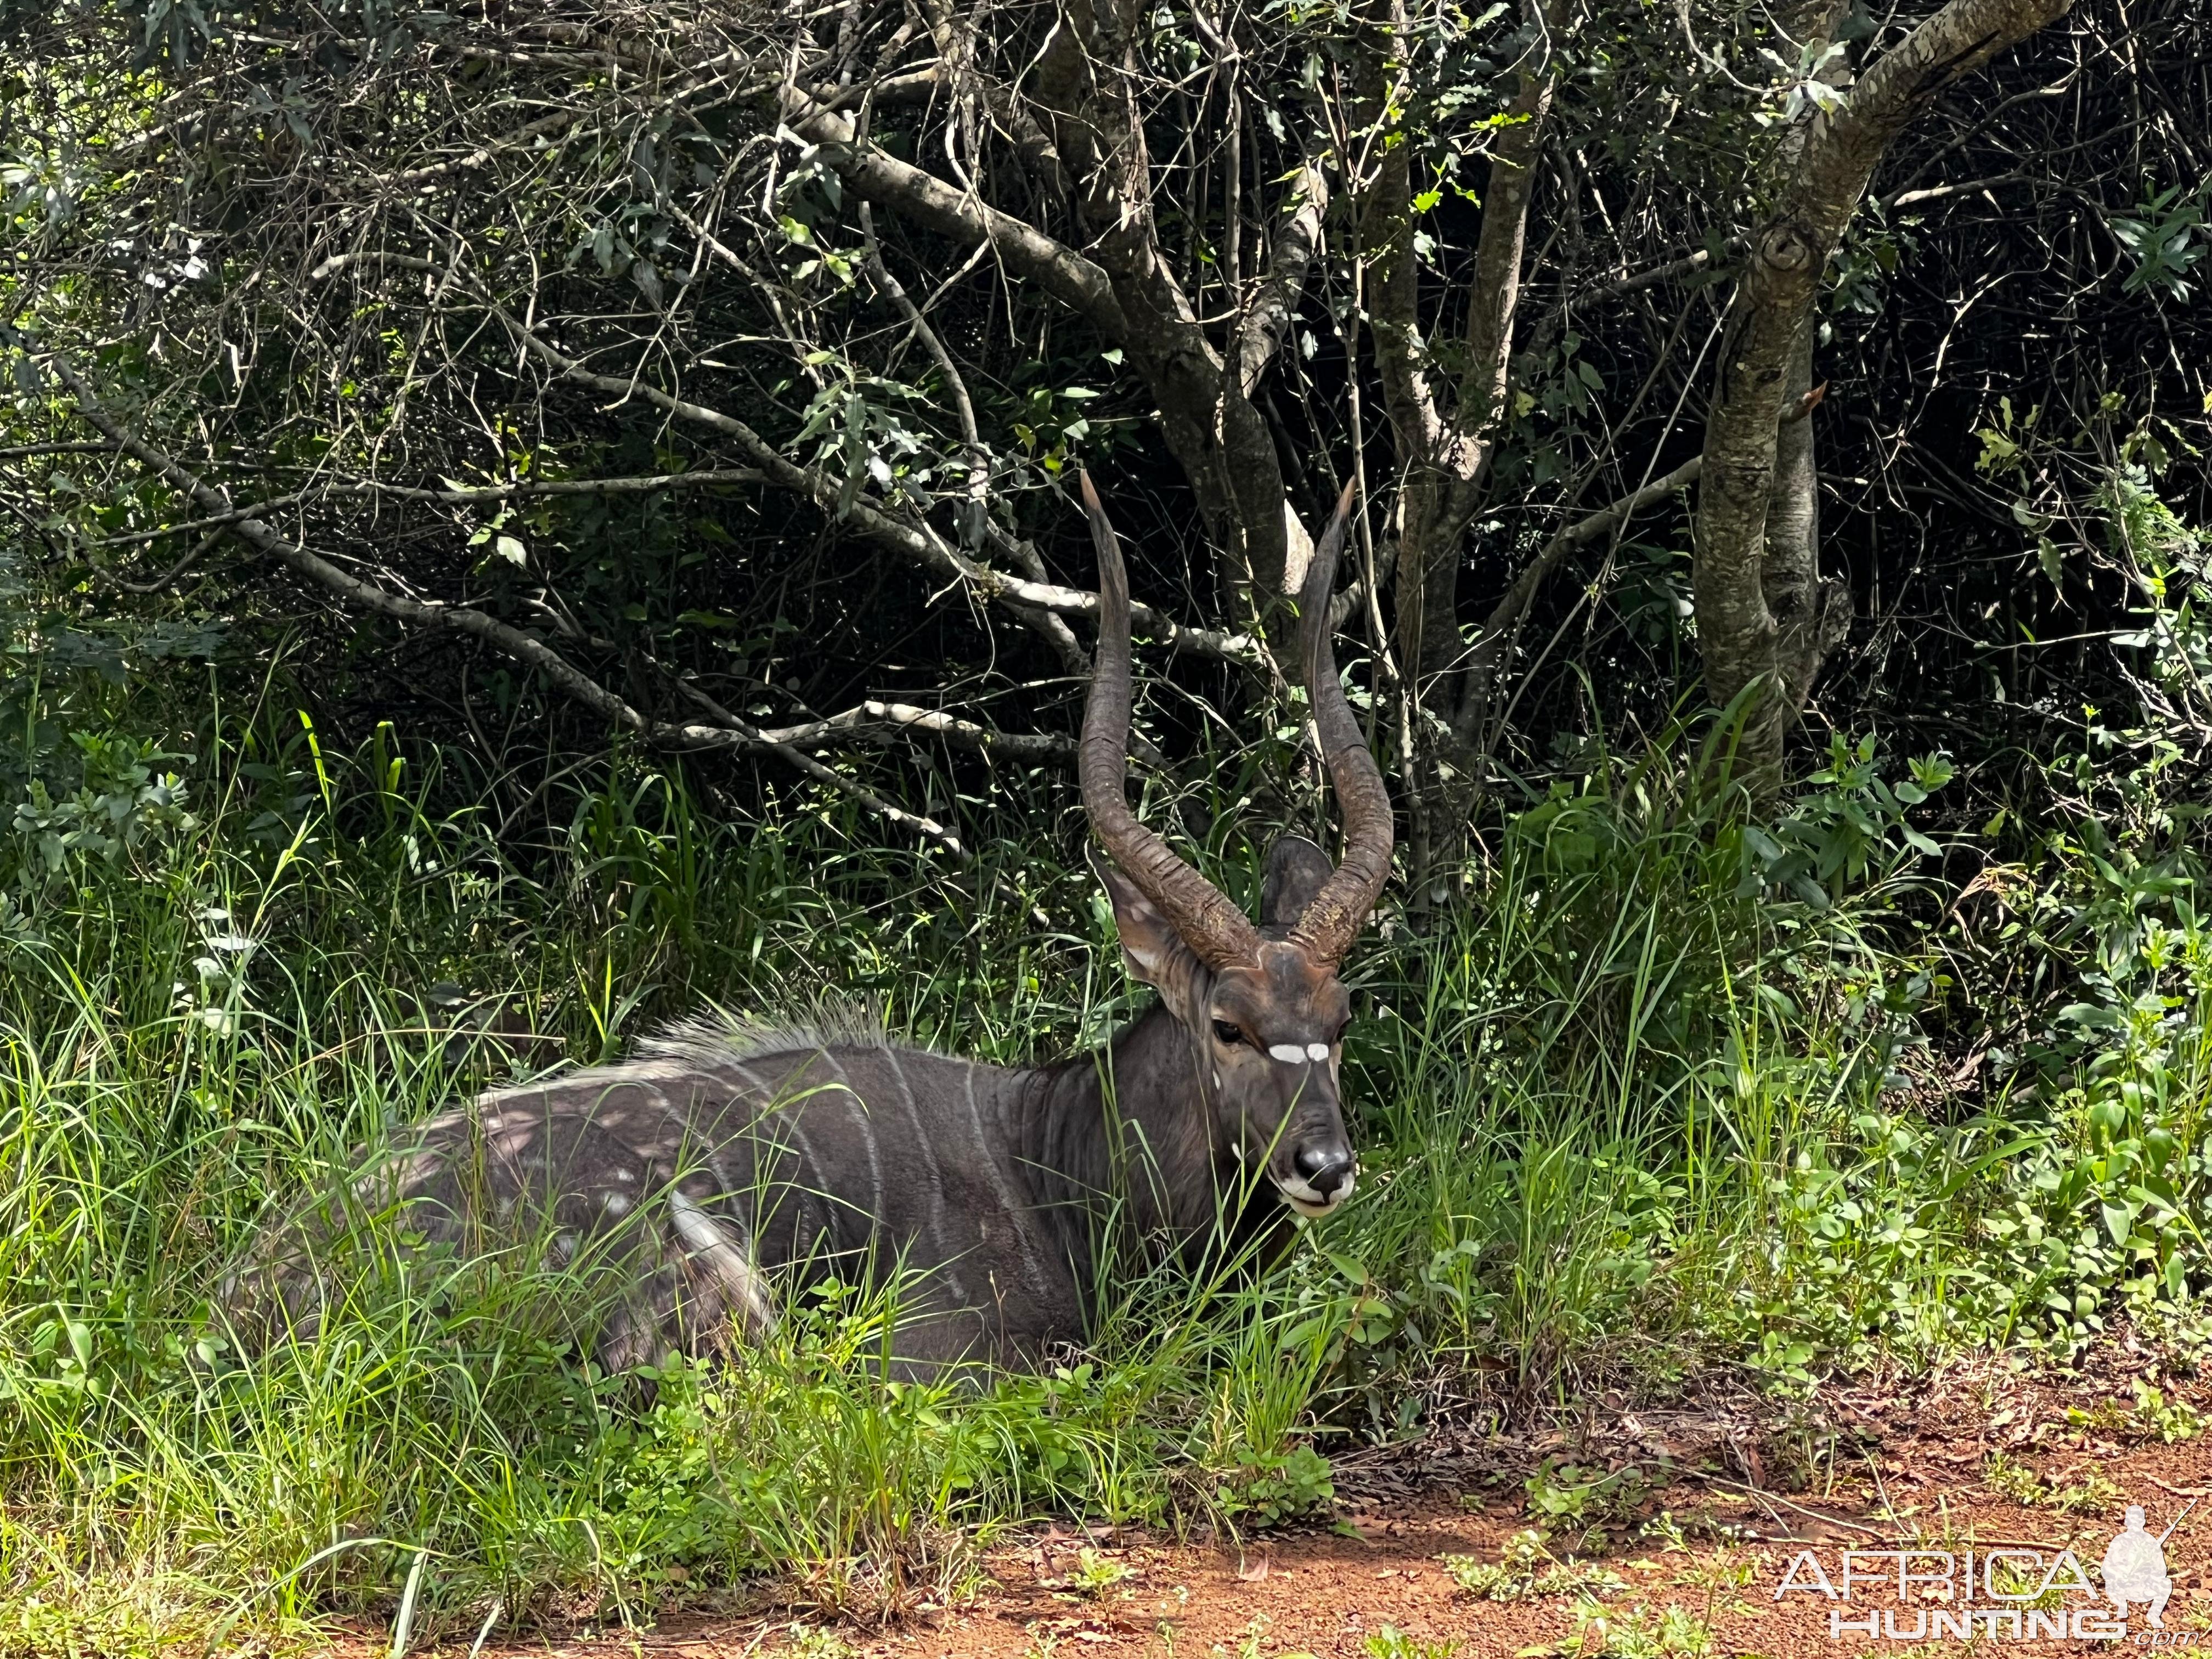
x=1866, y=1467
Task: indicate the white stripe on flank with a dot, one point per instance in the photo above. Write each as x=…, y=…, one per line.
x=1032, y=1269
x=807, y=1186
x=858, y=1107
x=935, y=1177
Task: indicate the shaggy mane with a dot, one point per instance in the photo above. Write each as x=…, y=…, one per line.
x=718, y=1035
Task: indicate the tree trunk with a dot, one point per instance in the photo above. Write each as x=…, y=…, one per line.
x=1766, y=618
x=1445, y=430
x=1086, y=81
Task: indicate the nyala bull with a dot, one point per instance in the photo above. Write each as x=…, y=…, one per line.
x=725, y=1161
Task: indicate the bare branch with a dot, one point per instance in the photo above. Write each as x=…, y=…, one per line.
x=731, y=733
x=21, y=452
x=1503, y=626
x=548, y=127
x=1025, y=250
x=646, y=484
x=1494, y=294
x=1297, y=240
x=1688, y=265
x=935, y=723
x=174, y=571
x=1937, y=192
x=921, y=544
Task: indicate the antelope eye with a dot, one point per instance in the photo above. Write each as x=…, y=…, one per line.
x=1228, y=1035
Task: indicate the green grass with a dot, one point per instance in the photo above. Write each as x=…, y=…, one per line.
x=1641, y=1105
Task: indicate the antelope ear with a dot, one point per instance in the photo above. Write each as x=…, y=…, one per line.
x=1296, y=870
x=1150, y=947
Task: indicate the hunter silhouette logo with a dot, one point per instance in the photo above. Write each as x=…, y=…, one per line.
x=2135, y=1567
x=2008, y=1593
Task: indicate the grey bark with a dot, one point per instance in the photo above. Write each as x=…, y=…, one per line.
x=1766, y=618
x=1091, y=126
x=1087, y=84
x=1445, y=435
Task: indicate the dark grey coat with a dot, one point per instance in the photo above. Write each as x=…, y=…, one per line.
x=724, y=1160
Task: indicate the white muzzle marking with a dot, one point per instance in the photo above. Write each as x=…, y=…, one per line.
x=1309, y=1203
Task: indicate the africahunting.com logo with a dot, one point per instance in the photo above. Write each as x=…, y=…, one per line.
x=2005, y=1592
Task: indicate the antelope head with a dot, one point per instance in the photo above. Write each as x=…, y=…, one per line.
x=1262, y=1008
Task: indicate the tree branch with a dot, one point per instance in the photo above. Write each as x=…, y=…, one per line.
x=732, y=732
x=1025, y=250
x=1494, y=293
x=645, y=484
x=1298, y=241
x=1446, y=450
x=550, y=126
x=919, y=544
x=1750, y=595
x=21, y=451
x=1503, y=626
x=965, y=734
x=1088, y=75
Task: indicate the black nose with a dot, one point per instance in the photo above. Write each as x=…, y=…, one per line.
x=1325, y=1168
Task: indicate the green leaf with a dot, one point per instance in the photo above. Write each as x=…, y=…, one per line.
x=2095, y=1015
x=1350, y=1267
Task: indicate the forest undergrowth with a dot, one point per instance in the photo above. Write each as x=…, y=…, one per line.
x=1670, y=1088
